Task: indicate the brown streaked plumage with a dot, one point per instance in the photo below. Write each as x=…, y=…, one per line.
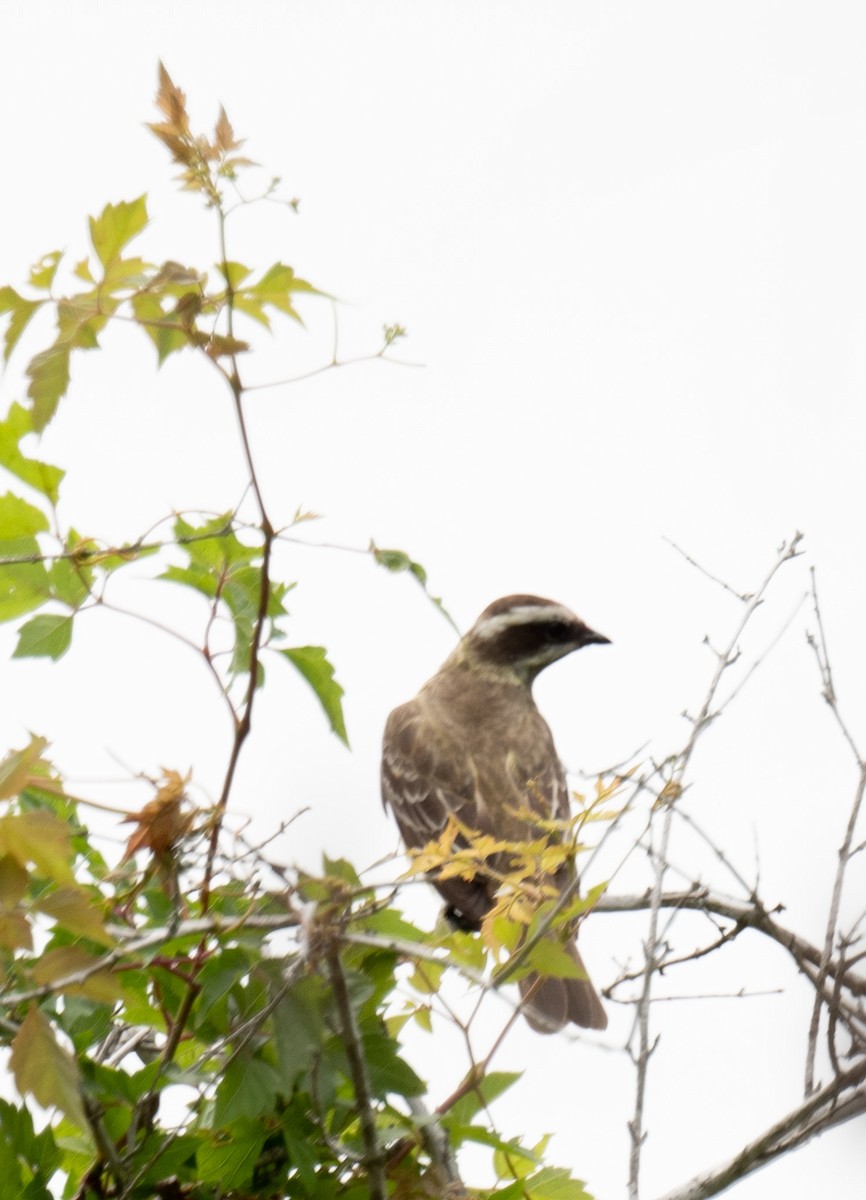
x=473, y=743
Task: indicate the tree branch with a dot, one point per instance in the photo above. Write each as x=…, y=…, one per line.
x=819, y=645
x=752, y=915
x=824, y=1109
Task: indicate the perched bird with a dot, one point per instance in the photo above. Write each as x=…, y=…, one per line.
x=473, y=744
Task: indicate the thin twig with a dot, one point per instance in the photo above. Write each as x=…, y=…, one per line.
x=819, y=645
x=744, y=596
x=659, y=857
x=747, y=914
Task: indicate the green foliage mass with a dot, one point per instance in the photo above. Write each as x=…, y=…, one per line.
x=124, y=982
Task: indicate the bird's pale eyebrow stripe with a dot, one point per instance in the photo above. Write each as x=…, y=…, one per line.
x=524, y=614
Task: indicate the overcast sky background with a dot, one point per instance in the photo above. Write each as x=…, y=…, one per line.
x=628, y=243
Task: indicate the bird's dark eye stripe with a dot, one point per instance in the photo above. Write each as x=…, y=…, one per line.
x=558, y=631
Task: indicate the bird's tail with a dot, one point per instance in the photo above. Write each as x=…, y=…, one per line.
x=550, y=1002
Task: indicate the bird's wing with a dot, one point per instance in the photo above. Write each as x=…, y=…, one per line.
x=540, y=782
x=425, y=779
x=429, y=773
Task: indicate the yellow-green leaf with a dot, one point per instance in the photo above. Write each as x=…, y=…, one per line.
x=13, y=881
x=46, y=479
x=46, y=1070
x=75, y=910
x=20, y=519
x=117, y=225
x=234, y=273
x=42, y=273
x=41, y=838
x=48, y=373
x=16, y=767
x=21, y=311
x=24, y=581
x=15, y=931
x=549, y=957
x=97, y=984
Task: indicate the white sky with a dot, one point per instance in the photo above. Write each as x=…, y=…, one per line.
x=628, y=243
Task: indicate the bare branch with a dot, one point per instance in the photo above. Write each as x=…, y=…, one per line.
x=752, y=915
x=659, y=857
x=744, y=596
x=819, y=645
x=840, y=1101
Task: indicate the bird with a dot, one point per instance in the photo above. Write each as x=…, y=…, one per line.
x=472, y=745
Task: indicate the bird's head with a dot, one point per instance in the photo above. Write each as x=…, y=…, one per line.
x=521, y=635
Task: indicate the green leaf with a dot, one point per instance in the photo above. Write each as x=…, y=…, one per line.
x=276, y=286
x=166, y=333
x=230, y=1162
x=396, y=561
x=46, y=1070
x=223, y=567
x=247, y=1089
x=117, y=225
x=313, y=664
x=126, y=273
x=23, y=585
x=201, y=579
x=214, y=543
x=37, y=1150
x=387, y=1071
x=218, y=976
x=234, y=273
x=70, y=578
x=252, y=308
x=22, y=312
x=168, y=1155
x=301, y=1152
x=341, y=868
x=550, y=957
x=45, y=636
x=554, y=1183
x=492, y=1085
x=427, y=977
x=513, y=1191
x=82, y=271
x=298, y=1029
x=515, y=1162
x=20, y=519
x=391, y=923
x=44, y=478
x=81, y=318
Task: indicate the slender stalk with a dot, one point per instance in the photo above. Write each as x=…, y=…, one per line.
x=351, y=1037
x=819, y=645
x=653, y=947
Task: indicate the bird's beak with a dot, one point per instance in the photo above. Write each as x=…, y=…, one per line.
x=591, y=638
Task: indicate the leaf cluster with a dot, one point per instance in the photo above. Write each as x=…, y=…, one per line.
x=192, y=1032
